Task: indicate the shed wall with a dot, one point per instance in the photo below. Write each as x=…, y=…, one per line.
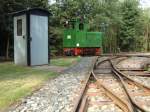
x=39, y=39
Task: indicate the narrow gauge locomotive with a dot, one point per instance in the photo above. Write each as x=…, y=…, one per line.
x=78, y=41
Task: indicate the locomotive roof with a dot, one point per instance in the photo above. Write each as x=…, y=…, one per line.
x=78, y=20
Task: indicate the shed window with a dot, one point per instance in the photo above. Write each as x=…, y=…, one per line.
x=19, y=27
x=81, y=26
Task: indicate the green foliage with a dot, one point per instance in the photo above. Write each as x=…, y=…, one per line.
x=123, y=21
x=110, y=16
x=9, y=6
x=6, y=20
x=129, y=27
x=17, y=82
x=125, y=24
x=145, y=18
x=97, y=12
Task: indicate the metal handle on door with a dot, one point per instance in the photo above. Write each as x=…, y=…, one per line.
x=30, y=38
x=23, y=36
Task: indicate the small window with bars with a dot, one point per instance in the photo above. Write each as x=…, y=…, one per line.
x=81, y=26
x=19, y=27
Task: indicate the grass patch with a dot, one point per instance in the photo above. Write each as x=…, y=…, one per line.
x=17, y=82
x=67, y=61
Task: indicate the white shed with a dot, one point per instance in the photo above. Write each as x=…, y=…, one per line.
x=31, y=37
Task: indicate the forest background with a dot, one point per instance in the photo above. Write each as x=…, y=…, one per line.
x=126, y=25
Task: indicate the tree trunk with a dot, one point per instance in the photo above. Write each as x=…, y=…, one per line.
x=147, y=39
x=7, y=49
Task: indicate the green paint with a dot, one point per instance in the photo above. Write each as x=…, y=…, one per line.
x=78, y=36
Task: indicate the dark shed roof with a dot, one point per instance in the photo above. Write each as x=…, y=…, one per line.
x=32, y=11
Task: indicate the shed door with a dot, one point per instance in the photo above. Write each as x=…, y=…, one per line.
x=39, y=39
x=20, y=42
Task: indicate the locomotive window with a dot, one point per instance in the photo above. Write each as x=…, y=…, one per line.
x=19, y=27
x=81, y=26
x=73, y=26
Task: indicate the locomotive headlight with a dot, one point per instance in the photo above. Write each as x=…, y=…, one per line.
x=68, y=36
x=77, y=44
x=67, y=22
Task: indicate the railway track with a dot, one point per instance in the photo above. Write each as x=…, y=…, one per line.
x=108, y=89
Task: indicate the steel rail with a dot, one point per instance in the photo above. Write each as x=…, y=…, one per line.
x=125, y=107
x=122, y=77
x=134, y=107
x=81, y=101
x=126, y=55
x=127, y=77
x=98, y=63
x=79, y=107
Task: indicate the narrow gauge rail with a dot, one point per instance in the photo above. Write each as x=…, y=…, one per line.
x=133, y=89
x=124, y=99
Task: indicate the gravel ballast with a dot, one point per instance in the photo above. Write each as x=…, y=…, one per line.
x=134, y=63
x=59, y=94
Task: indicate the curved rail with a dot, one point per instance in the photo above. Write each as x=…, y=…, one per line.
x=116, y=99
x=129, y=106
x=122, y=77
x=80, y=105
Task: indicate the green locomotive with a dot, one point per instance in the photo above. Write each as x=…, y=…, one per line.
x=78, y=41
